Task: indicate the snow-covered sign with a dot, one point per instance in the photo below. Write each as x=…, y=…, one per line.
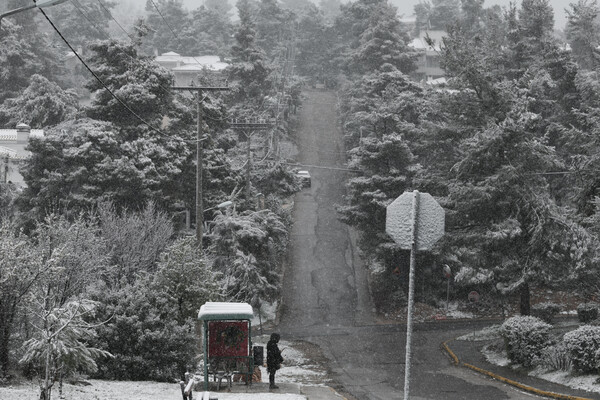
x=224, y=311
x=447, y=271
x=430, y=221
x=473, y=297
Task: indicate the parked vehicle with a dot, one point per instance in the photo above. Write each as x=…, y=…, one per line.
x=304, y=178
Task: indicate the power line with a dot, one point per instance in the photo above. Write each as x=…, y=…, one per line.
x=113, y=18
x=79, y=7
x=164, y=20
x=100, y=80
x=133, y=59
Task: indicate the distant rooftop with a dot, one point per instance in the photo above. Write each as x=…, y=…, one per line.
x=10, y=146
x=419, y=43
x=192, y=63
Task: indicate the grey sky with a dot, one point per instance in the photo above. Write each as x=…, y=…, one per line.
x=406, y=7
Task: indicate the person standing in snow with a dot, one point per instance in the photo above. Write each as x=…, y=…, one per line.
x=274, y=359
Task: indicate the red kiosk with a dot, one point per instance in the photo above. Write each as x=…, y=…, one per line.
x=227, y=339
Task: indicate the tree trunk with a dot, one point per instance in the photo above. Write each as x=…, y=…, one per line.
x=47, y=387
x=5, y=331
x=4, y=360
x=525, y=303
x=60, y=384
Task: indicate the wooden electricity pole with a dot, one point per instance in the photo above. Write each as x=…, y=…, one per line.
x=199, y=154
x=248, y=127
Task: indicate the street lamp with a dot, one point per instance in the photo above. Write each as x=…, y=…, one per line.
x=38, y=4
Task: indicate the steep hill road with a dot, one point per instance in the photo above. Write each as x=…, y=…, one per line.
x=325, y=298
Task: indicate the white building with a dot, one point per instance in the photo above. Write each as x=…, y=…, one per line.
x=12, y=152
x=186, y=69
x=428, y=64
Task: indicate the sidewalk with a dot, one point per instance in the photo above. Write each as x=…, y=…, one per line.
x=260, y=390
x=469, y=354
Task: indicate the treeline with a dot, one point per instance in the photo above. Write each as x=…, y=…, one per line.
x=508, y=145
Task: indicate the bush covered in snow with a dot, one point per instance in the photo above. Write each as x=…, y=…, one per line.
x=545, y=311
x=587, y=312
x=524, y=338
x=583, y=344
x=556, y=358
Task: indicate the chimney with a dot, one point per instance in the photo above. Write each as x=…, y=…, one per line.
x=23, y=131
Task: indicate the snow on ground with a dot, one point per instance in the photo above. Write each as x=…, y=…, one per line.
x=487, y=333
x=296, y=368
x=426, y=312
x=98, y=390
x=585, y=382
x=456, y=314
x=114, y=390
x=498, y=357
x=568, y=312
x=495, y=357
x=259, y=396
x=267, y=312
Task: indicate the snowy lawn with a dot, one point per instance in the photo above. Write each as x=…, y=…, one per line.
x=259, y=396
x=585, y=382
x=454, y=312
x=99, y=390
x=297, y=368
x=495, y=354
x=112, y=390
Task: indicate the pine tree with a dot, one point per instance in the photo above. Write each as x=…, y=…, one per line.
x=41, y=105
x=382, y=42
x=166, y=18
x=21, y=57
x=249, y=67
x=518, y=231
x=83, y=21
x=583, y=32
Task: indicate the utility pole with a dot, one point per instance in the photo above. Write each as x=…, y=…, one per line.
x=6, y=166
x=245, y=127
x=38, y=4
x=199, y=153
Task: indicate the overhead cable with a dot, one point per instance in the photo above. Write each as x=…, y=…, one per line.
x=137, y=116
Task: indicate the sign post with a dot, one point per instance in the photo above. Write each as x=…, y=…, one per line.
x=448, y=275
x=416, y=222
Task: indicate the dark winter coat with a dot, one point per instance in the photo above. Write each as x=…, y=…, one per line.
x=274, y=358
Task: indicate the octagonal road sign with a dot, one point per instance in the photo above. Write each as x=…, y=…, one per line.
x=430, y=221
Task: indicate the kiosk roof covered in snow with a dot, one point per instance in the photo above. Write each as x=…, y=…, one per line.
x=224, y=311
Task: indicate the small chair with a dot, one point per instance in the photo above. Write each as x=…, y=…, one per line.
x=220, y=375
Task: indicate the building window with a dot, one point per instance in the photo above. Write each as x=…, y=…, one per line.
x=433, y=61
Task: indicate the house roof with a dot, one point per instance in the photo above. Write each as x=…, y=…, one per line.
x=200, y=67
x=9, y=145
x=10, y=135
x=419, y=43
x=225, y=311
x=5, y=151
x=192, y=63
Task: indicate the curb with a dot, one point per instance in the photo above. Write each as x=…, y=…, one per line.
x=336, y=393
x=506, y=380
